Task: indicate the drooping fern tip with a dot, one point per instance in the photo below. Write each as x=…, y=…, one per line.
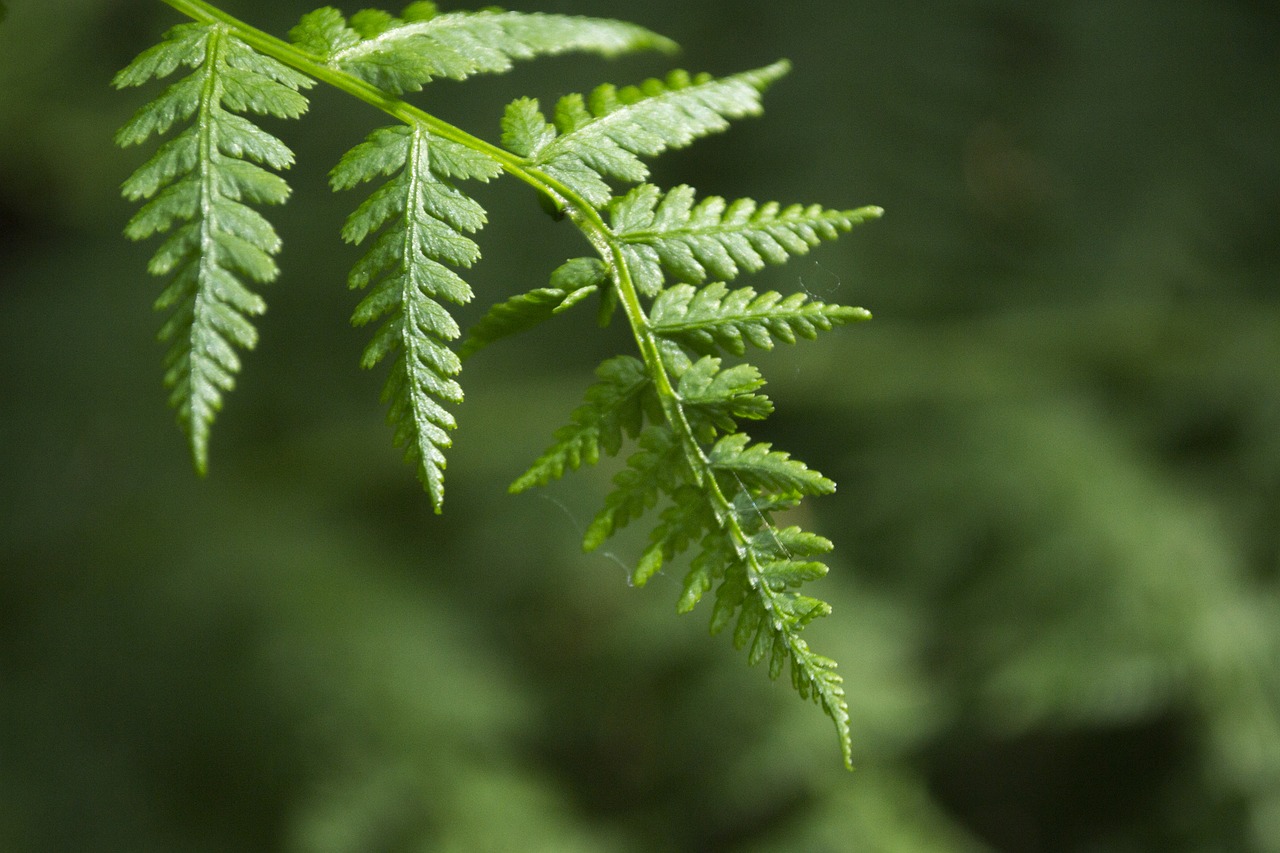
x=662, y=258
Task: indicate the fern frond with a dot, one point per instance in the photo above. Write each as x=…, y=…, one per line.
x=754, y=578
x=403, y=54
x=677, y=400
x=571, y=282
x=199, y=184
x=754, y=567
x=605, y=134
x=716, y=318
x=420, y=219
x=614, y=405
x=715, y=238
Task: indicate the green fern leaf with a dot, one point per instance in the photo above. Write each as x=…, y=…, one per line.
x=781, y=574
x=769, y=617
x=651, y=470
x=181, y=45
x=403, y=54
x=715, y=318
x=420, y=219
x=780, y=554
x=715, y=238
x=721, y=397
x=606, y=134
x=614, y=405
x=198, y=186
x=512, y=316
x=814, y=676
x=704, y=569
x=754, y=567
x=571, y=282
x=685, y=520
x=525, y=130
x=769, y=542
x=770, y=471
x=453, y=161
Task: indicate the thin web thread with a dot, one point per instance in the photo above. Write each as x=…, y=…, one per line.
x=582, y=530
x=764, y=519
x=830, y=289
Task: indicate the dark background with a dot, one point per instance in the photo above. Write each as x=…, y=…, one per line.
x=1058, y=449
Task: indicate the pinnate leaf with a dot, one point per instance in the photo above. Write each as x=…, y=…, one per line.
x=680, y=402
x=182, y=45
x=614, y=406
x=420, y=220
x=605, y=134
x=570, y=283
x=685, y=520
x=714, y=238
x=401, y=54
x=757, y=467
x=525, y=130
x=723, y=396
x=715, y=318
x=650, y=471
x=197, y=188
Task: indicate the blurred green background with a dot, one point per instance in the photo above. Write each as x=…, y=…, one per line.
x=1058, y=449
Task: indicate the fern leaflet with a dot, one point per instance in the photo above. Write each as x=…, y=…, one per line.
x=422, y=218
x=651, y=470
x=614, y=406
x=605, y=134
x=717, y=238
x=715, y=399
x=754, y=575
x=716, y=318
x=764, y=471
x=572, y=282
x=402, y=54
x=198, y=184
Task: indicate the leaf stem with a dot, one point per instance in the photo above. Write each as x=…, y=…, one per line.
x=584, y=216
x=292, y=55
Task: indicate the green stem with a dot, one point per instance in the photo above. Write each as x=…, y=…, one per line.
x=295, y=57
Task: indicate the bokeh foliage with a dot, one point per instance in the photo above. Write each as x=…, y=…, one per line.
x=1058, y=449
